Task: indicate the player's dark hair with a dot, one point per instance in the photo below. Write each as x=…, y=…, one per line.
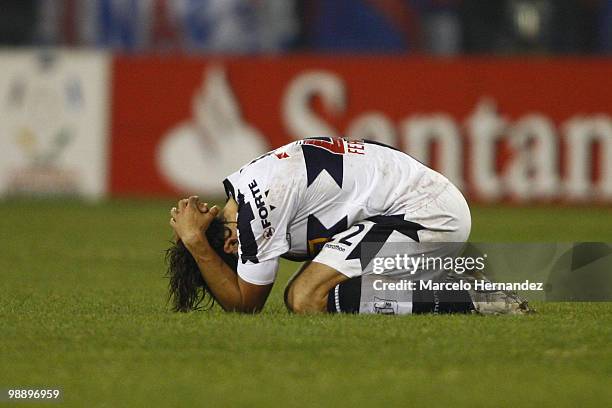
x=187, y=290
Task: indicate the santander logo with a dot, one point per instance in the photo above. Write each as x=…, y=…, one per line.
x=538, y=160
x=200, y=152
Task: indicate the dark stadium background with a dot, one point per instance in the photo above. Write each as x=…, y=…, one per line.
x=111, y=110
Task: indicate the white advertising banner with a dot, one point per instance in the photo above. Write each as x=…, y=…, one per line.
x=54, y=123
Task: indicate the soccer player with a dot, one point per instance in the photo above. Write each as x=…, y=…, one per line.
x=320, y=200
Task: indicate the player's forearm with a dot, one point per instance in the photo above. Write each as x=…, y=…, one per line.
x=221, y=280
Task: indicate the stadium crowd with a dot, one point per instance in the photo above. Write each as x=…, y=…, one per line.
x=439, y=27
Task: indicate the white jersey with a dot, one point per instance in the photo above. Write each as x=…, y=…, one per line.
x=292, y=200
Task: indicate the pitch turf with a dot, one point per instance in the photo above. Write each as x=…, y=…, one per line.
x=82, y=307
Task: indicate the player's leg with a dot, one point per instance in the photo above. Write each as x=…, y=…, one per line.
x=288, y=288
x=331, y=282
x=318, y=288
x=341, y=278
x=308, y=290
x=312, y=287
x=367, y=295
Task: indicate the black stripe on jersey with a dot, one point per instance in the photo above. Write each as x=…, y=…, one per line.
x=383, y=227
x=318, y=159
x=317, y=234
x=248, y=245
x=325, y=138
x=374, y=142
x=229, y=189
x=296, y=258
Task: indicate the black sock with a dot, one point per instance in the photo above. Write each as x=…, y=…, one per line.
x=345, y=297
x=441, y=301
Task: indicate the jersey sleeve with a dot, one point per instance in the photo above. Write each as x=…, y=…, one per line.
x=228, y=185
x=262, y=273
x=265, y=210
x=262, y=226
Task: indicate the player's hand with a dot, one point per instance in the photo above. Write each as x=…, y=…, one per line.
x=191, y=219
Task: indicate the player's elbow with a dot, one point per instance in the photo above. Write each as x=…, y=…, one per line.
x=246, y=306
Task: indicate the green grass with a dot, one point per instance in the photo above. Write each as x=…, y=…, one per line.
x=82, y=307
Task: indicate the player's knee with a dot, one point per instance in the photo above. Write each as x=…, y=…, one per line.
x=308, y=291
x=288, y=297
x=300, y=300
x=304, y=305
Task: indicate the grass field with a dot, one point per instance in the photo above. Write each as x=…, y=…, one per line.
x=82, y=307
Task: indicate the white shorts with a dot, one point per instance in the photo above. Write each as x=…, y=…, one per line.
x=437, y=228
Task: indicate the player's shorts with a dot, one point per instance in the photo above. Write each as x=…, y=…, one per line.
x=436, y=229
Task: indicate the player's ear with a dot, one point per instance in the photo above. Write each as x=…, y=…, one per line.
x=230, y=241
x=230, y=246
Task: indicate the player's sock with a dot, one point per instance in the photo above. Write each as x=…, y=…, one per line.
x=441, y=301
x=346, y=298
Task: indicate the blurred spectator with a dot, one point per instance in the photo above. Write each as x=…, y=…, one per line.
x=17, y=17
x=440, y=27
x=605, y=35
x=170, y=25
x=532, y=26
x=361, y=25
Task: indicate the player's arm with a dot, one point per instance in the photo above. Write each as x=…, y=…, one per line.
x=232, y=292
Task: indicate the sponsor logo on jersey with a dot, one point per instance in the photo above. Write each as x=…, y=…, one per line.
x=268, y=232
x=260, y=204
x=335, y=246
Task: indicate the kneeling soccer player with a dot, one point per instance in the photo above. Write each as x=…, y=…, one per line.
x=320, y=200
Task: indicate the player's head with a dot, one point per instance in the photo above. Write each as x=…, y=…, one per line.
x=187, y=289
